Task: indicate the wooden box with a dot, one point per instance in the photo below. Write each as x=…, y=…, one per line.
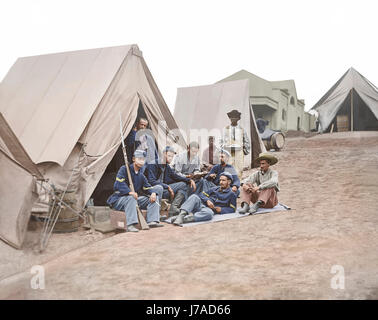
x=118, y=219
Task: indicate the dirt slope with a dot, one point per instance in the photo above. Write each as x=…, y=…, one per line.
x=330, y=181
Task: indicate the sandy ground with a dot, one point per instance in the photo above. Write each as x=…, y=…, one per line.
x=330, y=181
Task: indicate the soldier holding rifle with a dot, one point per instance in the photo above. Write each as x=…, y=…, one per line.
x=128, y=197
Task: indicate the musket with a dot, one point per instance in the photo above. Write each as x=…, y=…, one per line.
x=142, y=221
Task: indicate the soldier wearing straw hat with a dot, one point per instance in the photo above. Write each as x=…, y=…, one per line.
x=261, y=187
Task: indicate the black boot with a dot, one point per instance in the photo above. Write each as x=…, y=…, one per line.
x=255, y=207
x=189, y=218
x=244, y=208
x=180, y=218
x=176, y=203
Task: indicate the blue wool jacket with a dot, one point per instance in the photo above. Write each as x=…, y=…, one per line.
x=163, y=174
x=226, y=199
x=218, y=169
x=122, y=185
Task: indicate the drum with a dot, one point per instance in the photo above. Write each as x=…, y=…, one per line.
x=276, y=141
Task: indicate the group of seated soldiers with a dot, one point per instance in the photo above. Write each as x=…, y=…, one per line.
x=194, y=195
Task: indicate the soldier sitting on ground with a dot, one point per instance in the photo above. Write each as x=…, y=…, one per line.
x=218, y=200
x=261, y=187
x=213, y=177
x=174, y=185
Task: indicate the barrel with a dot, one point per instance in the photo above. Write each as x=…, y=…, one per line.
x=342, y=123
x=276, y=141
x=68, y=221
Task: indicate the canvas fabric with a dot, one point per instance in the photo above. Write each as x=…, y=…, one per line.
x=64, y=109
x=329, y=105
x=206, y=107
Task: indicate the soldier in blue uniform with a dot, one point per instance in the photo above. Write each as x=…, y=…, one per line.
x=212, y=179
x=218, y=200
x=145, y=195
x=174, y=185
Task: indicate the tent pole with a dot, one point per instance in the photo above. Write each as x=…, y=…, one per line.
x=351, y=109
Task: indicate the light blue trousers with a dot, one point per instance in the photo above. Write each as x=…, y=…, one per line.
x=206, y=185
x=176, y=187
x=128, y=204
x=200, y=211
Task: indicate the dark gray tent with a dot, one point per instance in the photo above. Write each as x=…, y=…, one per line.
x=350, y=105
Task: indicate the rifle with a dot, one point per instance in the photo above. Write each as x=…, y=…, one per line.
x=141, y=219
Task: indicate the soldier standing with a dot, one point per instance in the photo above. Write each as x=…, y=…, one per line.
x=235, y=141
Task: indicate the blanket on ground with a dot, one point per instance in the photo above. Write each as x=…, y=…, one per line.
x=228, y=216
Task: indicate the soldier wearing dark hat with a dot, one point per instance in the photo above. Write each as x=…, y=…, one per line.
x=235, y=140
x=202, y=207
x=261, y=187
x=145, y=195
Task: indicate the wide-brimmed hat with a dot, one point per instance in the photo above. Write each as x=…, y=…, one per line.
x=234, y=114
x=267, y=156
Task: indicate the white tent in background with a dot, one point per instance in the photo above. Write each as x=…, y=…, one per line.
x=350, y=105
x=206, y=107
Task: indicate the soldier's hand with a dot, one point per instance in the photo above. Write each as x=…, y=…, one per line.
x=255, y=189
x=153, y=197
x=213, y=175
x=134, y=194
x=218, y=209
x=210, y=204
x=171, y=192
x=193, y=185
x=234, y=188
x=247, y=187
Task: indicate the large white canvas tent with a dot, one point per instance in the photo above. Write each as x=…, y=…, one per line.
x=205, y=108
x=352, y=102
x=64, y=108
x=18, y=176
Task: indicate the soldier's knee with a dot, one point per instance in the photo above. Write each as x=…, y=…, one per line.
x=182, y=185
x=158, y=189
x=131, y=199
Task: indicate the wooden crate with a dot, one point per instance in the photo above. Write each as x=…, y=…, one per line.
x=342, y=122
x=118, y=219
